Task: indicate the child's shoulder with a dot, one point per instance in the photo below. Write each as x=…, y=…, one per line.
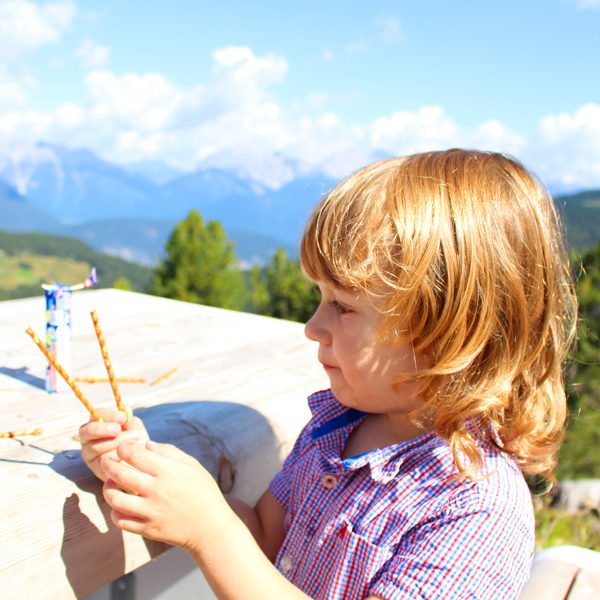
x=498, y=487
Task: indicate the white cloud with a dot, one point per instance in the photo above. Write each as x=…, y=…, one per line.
x=327, y=55
x=357, y=47
x=143, y=102
x=138, y=116
x=494, y=136
x=24, y=28
x=135, y=116
x=406, y=132
x=390, y=28
x=565, y=150
x=92, y=55
x=589, y=3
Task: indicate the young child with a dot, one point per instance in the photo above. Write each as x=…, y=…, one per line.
x=447, y=310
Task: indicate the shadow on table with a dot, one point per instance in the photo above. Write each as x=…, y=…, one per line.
x=82, y=540
x=221, y=435
x=22, y=375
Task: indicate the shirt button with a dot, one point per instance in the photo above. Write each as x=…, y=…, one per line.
x=286, y=563
x=329, y=481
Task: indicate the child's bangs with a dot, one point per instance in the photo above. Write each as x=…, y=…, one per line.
x=336, y=246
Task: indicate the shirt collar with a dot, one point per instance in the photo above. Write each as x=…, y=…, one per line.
x=332, y=424
x=385, y=463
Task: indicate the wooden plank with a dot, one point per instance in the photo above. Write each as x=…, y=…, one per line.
x=549, y=580
x=586, y=586
x=236, y=402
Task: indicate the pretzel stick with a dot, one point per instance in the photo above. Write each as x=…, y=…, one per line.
x=12, y=434
x=104, y=379
x=163, y=376
x=107, y=363
x=64, y=374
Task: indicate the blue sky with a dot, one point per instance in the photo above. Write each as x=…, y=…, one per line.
x=329, y=84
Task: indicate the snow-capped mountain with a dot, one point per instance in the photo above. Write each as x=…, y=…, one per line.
x=247, y=189
x=260, y=167
x=155, y=170
x=262, y=196
x=73, y=185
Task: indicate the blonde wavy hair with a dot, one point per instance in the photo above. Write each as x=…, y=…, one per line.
x=469, y=248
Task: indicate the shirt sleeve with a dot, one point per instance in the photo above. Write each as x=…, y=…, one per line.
x=280, y=486
x=464, y=552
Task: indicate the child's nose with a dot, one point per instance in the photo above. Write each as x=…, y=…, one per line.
x=316, y=330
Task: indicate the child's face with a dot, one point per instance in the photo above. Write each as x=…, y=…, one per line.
x=361, y=368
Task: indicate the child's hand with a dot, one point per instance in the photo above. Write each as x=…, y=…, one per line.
x=103, y=439
x=175, y=500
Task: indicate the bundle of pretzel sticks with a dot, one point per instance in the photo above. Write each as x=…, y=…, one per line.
x=71, y=382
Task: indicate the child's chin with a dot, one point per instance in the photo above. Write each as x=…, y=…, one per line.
x=344, y=398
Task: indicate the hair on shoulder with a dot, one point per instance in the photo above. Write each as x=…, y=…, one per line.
x=469, y=246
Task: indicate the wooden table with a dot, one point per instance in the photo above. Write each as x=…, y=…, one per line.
x=237, y=402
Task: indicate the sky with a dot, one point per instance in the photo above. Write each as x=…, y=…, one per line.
x=329, y=84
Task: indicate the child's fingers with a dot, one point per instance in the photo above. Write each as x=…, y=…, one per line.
x=143, y=460
x=134, y=423
x=93, y=431
x=104, y=446
x=92, y=452
x=129, y=415
x=128, y=507
x=128, y=478
x=112, y=415
x=172, y=452
x=128, y=523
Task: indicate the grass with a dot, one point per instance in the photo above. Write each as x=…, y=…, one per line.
x=557, y=527
x=32, y=269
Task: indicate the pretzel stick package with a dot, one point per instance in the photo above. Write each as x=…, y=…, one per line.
x=107, y=363
x=58, y=329
x=63, y=374
x=58, y=335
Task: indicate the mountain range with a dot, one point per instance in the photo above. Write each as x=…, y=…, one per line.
x=261, y=198
x=129, y=214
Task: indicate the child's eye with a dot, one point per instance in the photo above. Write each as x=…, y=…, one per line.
x=340, y=308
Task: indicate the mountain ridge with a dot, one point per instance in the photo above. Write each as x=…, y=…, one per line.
x=73, y=192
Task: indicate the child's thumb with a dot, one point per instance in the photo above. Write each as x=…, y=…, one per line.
x=172, y=452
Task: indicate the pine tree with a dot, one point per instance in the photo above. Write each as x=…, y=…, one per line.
x=578, y=457
x=200, y=266
x=281, y=290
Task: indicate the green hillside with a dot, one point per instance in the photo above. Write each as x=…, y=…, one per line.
x=29, y=259
x=581, y=216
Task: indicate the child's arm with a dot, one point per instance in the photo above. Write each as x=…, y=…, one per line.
x=180, y=504
x=265, y=522
x=102, y=439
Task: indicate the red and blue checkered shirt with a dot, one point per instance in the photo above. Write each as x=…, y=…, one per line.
x=396, y=522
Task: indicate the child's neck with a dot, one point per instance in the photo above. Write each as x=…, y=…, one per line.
x=380, y=431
